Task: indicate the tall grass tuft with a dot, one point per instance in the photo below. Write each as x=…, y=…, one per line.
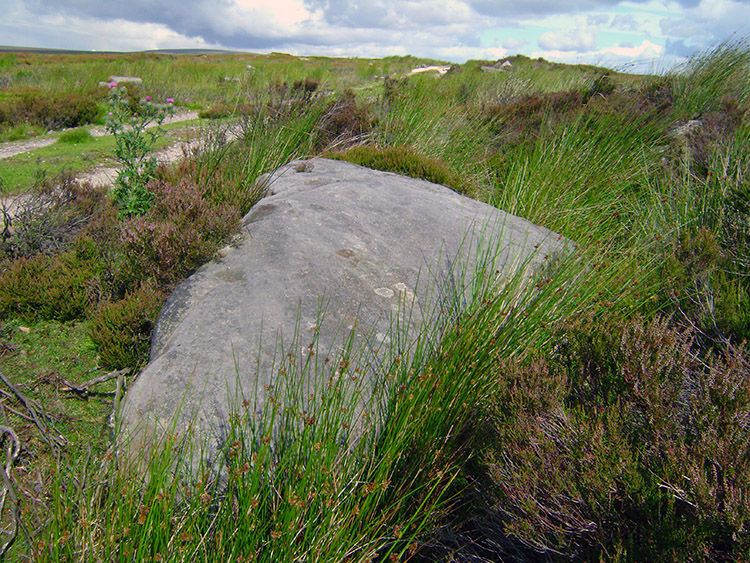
x=233, y=157
x=704, y=81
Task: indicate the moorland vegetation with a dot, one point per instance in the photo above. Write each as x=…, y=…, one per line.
x=601, y=412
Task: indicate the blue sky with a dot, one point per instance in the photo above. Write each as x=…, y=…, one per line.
x=641, y=36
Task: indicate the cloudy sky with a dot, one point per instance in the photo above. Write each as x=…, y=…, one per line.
x=637, y=35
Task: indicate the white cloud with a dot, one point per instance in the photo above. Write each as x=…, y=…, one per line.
x=66, y=32
x=648, y=57
x=496, y=53
x=684, y=27
x=705, y=26
x=284, y=12
x=646, y=48
x=580, y=39
x=596, y=20
x=437, y=12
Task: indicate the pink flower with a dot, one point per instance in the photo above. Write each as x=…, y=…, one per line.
x=148, y=98
x=170, y=101
x=110, y=113
x=112, y=84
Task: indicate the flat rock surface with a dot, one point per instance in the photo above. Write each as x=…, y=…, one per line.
x=362, y=245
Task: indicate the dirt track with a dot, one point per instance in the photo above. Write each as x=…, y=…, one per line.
x=97, y=176
x=19, y=147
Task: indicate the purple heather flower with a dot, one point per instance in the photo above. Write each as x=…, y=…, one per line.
x=148, y=98
x=112, y=84
x=170, y=101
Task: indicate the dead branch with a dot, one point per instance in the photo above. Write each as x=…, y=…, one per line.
x=116, y=402
x=13, y=449
x=7, y=220
x=17, y=413
x=34, y=410
x=84, y=388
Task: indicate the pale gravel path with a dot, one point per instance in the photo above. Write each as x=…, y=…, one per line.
x=106, y=175
x=98, y=176
x=19, y=147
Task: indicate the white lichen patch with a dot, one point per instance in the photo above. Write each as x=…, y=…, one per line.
x=385, y=292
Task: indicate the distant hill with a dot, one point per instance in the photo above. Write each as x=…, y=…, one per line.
x=12, y=49
x=196, y=52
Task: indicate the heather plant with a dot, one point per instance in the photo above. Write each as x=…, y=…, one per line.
x=223, y=111
x=343, y=124
x=276, y=132
x=620, y=443
x=48, y=219
x=521, y=120
x=180, y=232
x=62, y=287
x=121, y=330
x=136, y=131
x=48, y=110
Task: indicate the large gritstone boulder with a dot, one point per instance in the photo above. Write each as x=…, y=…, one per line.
x=336, y=257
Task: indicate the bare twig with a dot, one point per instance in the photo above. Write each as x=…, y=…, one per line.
x=116, y=402
x=83, y=388
x=17, y=413
x=348, y=141
x=14, y=448
x=5, y=211
x=34, y=409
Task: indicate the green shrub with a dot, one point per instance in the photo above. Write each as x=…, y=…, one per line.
x=179, y=233
x=61, y=287
x=56, y=111
x=75, y=136
x=121, y=330
x=706, y=284
x=408, y=162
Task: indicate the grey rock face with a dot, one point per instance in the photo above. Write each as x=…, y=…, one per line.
x=364, y=246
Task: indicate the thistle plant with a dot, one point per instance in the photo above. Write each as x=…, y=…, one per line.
x=136, y=130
